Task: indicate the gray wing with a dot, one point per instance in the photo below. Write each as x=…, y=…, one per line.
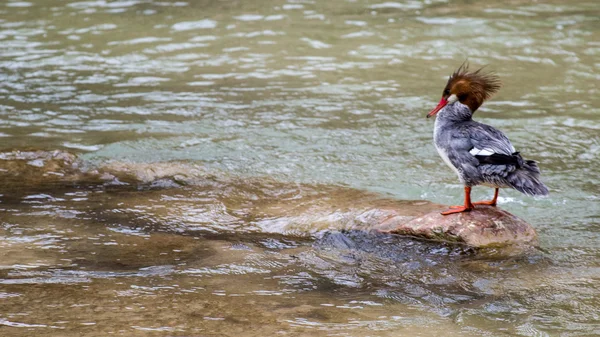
x=496, y=156
x=487, y=140
x=481, y=154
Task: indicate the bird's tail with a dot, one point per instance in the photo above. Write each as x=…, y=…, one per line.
x=526, y=179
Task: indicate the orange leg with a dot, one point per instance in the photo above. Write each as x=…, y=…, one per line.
x=489, y=202
x=459, y=209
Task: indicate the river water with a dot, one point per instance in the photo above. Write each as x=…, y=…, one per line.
x=285, y=119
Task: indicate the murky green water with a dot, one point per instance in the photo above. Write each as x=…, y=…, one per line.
x=301, y=115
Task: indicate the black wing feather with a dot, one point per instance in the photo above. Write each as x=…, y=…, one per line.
x=501, y=159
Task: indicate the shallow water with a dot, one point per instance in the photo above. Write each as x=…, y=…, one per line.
x=300, y=115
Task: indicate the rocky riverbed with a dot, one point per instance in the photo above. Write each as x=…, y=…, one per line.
x=320, y=208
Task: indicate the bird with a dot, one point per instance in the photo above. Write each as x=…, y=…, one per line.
x=478, y=153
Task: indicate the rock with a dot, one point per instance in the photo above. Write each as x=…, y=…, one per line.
x=273, y=206
x=19, y=169
x=485, y=226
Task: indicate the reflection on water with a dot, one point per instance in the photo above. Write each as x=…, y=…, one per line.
x=287, y=115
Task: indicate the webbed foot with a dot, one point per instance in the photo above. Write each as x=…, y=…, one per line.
x=457, y=209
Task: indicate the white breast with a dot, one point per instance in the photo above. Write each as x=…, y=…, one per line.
x=443, y=152
x=444, y=156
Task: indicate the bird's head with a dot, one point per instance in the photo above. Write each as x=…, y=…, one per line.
x=470, y=88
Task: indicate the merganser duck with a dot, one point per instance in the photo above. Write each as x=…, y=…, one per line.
x=478, y=153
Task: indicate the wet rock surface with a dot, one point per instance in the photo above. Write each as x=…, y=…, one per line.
x=31, y=167
x=252, y=204
x=485, y=226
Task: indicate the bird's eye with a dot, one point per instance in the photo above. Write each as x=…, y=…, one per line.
x=446, y=92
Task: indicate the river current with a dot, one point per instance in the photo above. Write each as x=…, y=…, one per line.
x=249, y=138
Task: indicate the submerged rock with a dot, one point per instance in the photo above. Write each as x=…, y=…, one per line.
x=34, y=168
x=219, y=202
x=485, y=226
